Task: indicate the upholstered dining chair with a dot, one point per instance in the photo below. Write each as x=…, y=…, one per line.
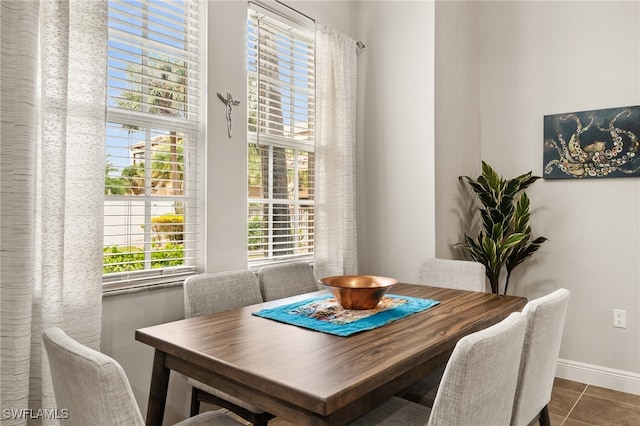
x=95, y=389
x=477, y=387
x=545, y=323
x=456, y=274
x=447, y=273
x=218, y=292
x=286, y=279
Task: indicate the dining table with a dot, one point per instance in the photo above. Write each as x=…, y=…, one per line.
x=310, y=377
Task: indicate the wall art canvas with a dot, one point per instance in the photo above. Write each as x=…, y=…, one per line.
x=592, y=144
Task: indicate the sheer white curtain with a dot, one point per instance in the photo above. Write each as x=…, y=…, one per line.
x=53, y=76
x=335, y=209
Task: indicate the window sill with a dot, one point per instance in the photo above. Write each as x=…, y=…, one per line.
x=142, y=287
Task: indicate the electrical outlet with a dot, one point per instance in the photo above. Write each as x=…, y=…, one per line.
x=620, y=318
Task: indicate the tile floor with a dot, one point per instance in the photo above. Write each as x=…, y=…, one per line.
x=577, y=404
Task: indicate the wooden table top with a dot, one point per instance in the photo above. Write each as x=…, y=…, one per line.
x=317, y=378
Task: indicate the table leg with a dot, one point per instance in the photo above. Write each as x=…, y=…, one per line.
x=158, y=390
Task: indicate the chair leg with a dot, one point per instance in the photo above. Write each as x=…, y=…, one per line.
x=195, y=402
x=544, y=416
x=262, y=419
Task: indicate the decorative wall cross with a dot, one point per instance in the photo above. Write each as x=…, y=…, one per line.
x=230, y=103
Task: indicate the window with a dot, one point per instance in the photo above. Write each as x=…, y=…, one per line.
x=281, y=97
x=151, y=169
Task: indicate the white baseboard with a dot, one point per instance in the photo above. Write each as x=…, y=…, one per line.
x=623, y=381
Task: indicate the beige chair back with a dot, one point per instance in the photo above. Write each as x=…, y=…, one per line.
x=481, y=376
x=545, y=323
x=286, y=279
x=456, y=274
x=477, y=386
x=221, y=291
x=90, y=385
x=94, y=388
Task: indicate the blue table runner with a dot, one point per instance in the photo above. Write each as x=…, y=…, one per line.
x=323, y=313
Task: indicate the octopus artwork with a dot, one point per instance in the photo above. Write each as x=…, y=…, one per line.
x=592, y=144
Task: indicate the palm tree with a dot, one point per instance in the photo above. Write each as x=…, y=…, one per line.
x=158, y=88
x=113, y=185
x=134, y=178
x=167, y=165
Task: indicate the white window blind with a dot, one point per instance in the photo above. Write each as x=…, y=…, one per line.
x=281, y=100
x=151, y=172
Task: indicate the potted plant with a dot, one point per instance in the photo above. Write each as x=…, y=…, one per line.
x=505, y=239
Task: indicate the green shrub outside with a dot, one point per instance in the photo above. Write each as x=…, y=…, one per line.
x=256, y=234
x=126, y=259
x=169, y=225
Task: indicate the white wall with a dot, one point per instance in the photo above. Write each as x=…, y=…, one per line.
x=226, y=191
x=122, y=315
x=457, y=120
x=337, y=14
x=396, y=217
x=539, y=58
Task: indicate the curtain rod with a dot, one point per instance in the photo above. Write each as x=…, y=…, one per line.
x=359, y=44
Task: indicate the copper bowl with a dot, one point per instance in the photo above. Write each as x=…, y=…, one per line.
x=358, y=291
